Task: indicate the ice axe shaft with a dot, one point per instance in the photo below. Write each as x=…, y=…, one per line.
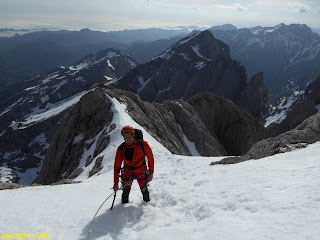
x=114, y=198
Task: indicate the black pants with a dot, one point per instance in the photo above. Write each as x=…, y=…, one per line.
x=144, y=191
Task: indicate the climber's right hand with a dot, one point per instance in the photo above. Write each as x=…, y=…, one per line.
x=115, y=187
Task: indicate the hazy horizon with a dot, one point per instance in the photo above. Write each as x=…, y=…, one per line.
x=140, y=14
x=165, y=28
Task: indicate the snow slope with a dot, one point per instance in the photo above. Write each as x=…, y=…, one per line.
x=272, y=198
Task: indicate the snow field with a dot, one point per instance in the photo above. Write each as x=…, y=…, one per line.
x=273, y=198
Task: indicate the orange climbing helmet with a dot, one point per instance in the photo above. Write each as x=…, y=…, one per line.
x=127, y=129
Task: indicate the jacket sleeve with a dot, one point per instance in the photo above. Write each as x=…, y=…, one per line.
x=150, y=157
x=117, y=166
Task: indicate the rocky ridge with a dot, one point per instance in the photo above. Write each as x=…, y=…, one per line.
x=89, y=125
x=306, y=133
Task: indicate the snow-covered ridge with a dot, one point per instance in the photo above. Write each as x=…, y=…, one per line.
x=120, y=119
x=264, y=30
x=279, y=112
x=170, y=51
x=94, y=60
x=50, y=85
x=183, y=41
x=167, y=54
x=10, y=107
x=51, y=110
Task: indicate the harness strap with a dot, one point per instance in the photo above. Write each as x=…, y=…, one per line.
x=128, y=181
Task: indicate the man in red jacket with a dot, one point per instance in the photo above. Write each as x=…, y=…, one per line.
x=133, y=155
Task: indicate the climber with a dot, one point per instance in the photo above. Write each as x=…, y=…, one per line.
x=133, y=152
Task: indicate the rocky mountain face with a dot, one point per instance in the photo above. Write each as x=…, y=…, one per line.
x=288, y=55
x=306, y=133
x=214, y=125
x=235, y=128
x=29, y=119
x=290, y=111
x=255, y=97
x=195, y=64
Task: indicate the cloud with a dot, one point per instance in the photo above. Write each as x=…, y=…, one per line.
x=221, y=6
x=239, y=7
x=302, y=10
x=299, y=7
x=304, y=6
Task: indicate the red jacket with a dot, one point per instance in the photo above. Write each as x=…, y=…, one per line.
x=138, y=159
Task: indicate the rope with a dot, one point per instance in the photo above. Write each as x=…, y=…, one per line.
x=115, y=193
x=121, y=188
x=96, y=215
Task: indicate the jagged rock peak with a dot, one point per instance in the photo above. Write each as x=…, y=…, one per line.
x=199, y=45
x=195, y=64
x=255, y=98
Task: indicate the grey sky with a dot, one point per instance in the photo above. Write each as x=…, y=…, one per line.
x=109, y=15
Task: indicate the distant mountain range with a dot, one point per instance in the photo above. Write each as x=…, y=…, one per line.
x=24, y=56
x=10, y=32
x=288, y=55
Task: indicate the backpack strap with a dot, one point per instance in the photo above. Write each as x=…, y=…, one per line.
x=122, y=148
x=141, y=144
